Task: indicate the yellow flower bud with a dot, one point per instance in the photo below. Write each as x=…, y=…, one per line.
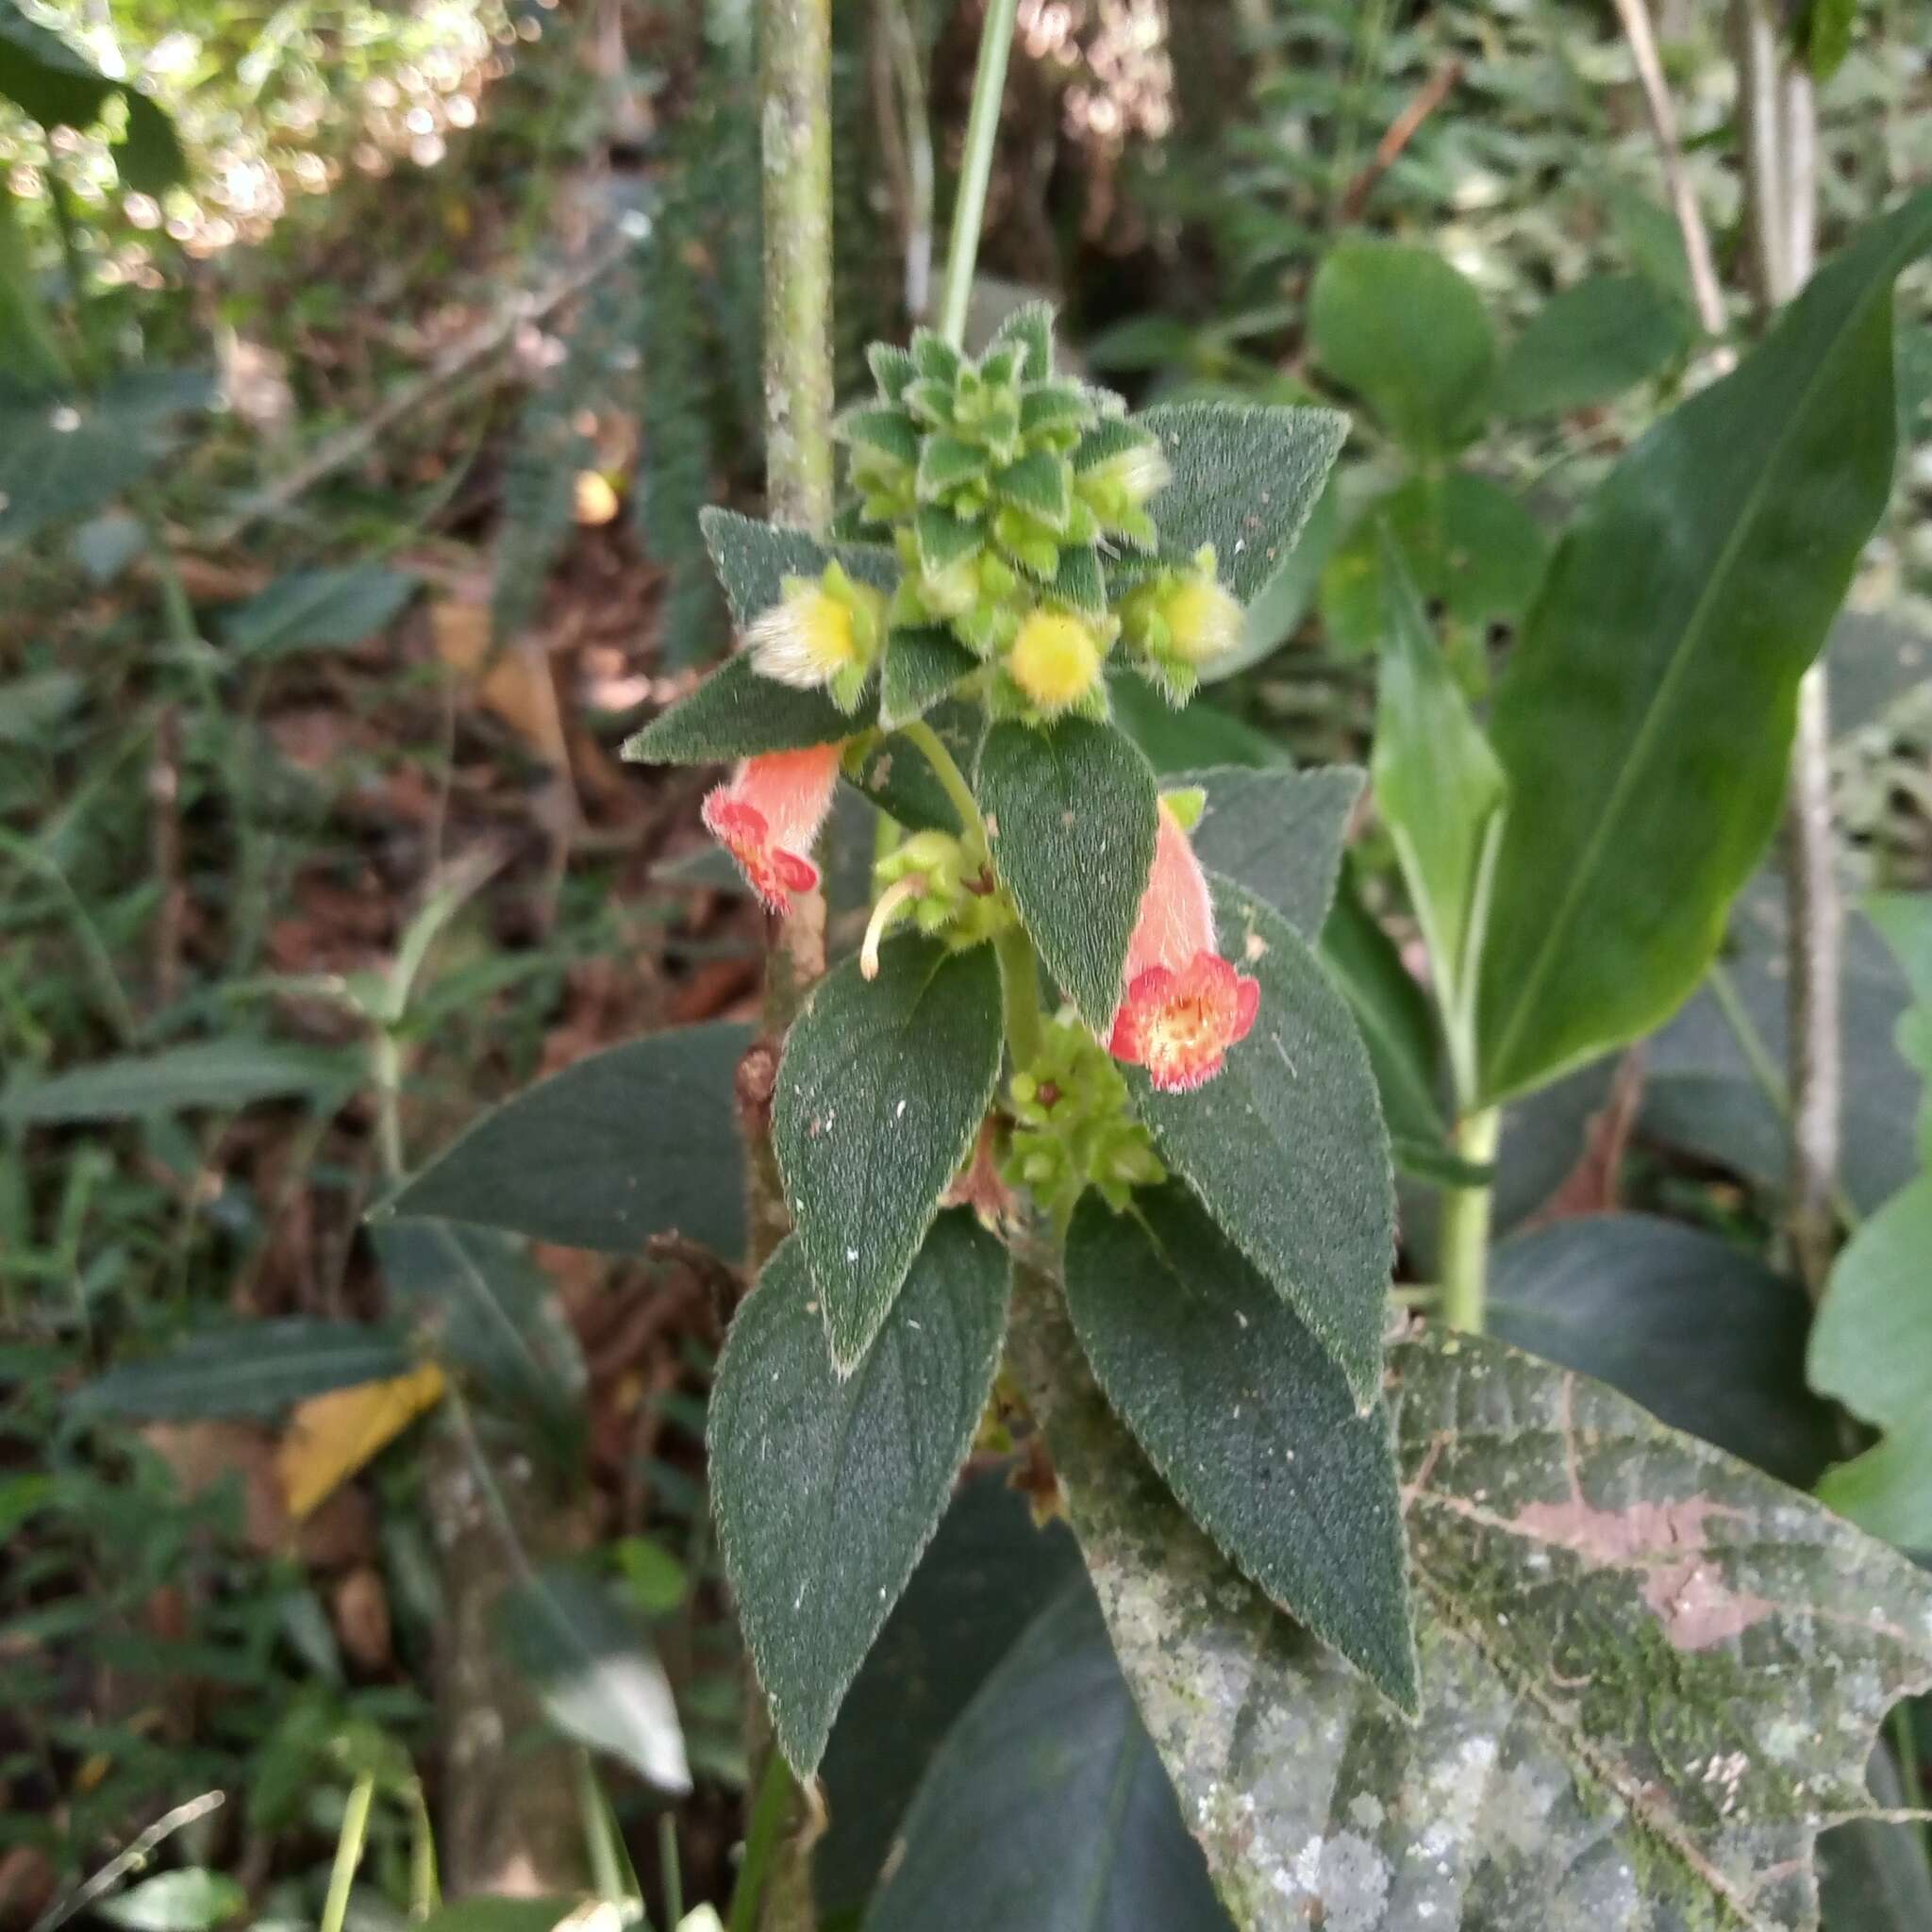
x=823, y=632
x=1203, y=620
x=1055, y=661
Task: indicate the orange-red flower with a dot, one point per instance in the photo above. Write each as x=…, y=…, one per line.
x=1185, y=1005
x=770, y=814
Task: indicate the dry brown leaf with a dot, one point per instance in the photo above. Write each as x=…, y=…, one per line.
x=514, y=683
x=331, y=1436
x=361, y=1617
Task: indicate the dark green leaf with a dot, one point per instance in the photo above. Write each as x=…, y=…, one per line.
x=891, y=430
x=64, y=457
x=1037, y=484
x=944, y=463
x=190, y=1900
x=1276, y=833
x=736, y=714
x=314, y=609
x=491, y=1311
x=1286, y=1146
x=1473, y=551
x=1823, y=32
x=1080, y=581
x=1589, y=344
x=256, y=1368
x=825, y=1490
x=1876, y=1877
x=1046, y=1808
x=1031, y=328
x=987, y=1573
x=922, y=667
x=1245, y=479
x=894, y=773
x=1071, y=810
x=638, y=1141
x=944, y=539
x=1655, y=685
x=1284, y=600
x=225, y=1073
x=1441, y=795
x=1606, y=1611
x=598, y=1680
x=1200, y=734
x=1408, y=334
x=754, y=558
x=1248, y=1420
x=1700, y=1332
x=881, y=1091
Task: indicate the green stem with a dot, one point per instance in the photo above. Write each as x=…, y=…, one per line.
x=976, y=168
x=770, y=1810
x=1465, y=1239
x=348, y=1851
x=600, y=1838
x=952, y=780
x=1020, y=983
x=671, y=1870
x=426, y=1887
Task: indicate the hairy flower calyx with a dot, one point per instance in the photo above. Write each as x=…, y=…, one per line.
x=943, y=885
x=826, y=631
x=1179, y=621
x=1073, y=1127
x=1184, y=1005
x=1053, y=665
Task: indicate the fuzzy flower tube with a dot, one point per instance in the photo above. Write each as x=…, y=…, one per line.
x=769, y=816
x=1185, y=1005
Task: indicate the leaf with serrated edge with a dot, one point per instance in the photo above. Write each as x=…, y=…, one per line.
x=1286, y=1145
x=882, y=1088
x=1072, y=811
x=825, y=1490
x=1245, y=478
x=1249, y=1419
x=1278, y=833
x=1649, y=1675
x=922, y=667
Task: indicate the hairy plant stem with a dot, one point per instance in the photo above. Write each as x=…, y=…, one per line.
x=1778, y=130
x=946, y=770
x=1465, y=1238
x=975, y=166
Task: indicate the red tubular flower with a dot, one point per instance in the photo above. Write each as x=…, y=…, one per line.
x=1185, y=1005
x=770, y=814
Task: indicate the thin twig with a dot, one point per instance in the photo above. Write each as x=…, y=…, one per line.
x=1402, y=130
x=1635, y=16
x=132, y=1860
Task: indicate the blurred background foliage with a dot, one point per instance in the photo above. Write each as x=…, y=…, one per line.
x=348, y=520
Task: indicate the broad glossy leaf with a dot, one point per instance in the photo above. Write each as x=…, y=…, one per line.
x=736, y=714
x=596, y=1676
x=638, y=1141
x=312, y=609
x=225, y=1073
x=753, y=560
x=1656, y=682
x=881, y=1091
x=1705, y=1091
x=1473, y=551
x=1071, y=814
x=826, y=1489
x=1286, y=1147
x=1438, y=789
x=1591, y=343
x=1698, y=1330
x=491, y=1310
x=255, y=1369
x=922, y=667
x=1278, y=833
x=1046, y=1808
x=987, y=1573
x=1622, y=1633
x=1408, y=334
x=63, y=457
x=1245, y=478
x=1249, y=1421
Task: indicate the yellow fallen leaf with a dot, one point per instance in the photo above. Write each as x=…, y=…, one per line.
x=331, y=1436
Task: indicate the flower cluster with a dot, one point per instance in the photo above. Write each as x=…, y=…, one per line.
x=1071, y=1124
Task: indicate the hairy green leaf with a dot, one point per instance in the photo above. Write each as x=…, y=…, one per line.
x=1649, y=1674
x=1286, y=1146
x=638, y=1141
x=1047, y=1806
x=1656, y=683
x=1199, y=734
x=922, y=667
x=736, y=714
x=882, y=1088
x=1591, y=343
x=222, y=1074
x=1276, y=833
x=754, y=558
x=1408, y=334
x=825, y=1490
x=1071, y=814
x=1245, y=479
x=254, y=1369
x=598, y=1680
x=1248, y=1420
